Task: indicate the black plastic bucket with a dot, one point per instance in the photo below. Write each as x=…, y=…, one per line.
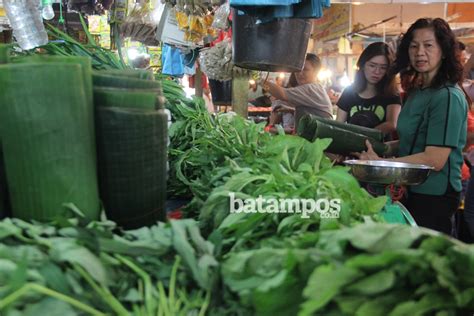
x=279, y=45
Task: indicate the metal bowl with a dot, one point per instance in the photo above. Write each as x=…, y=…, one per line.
x=389, y=172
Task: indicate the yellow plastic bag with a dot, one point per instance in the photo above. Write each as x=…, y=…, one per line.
x=196, y=25
x=207, y=20
x=182, y=19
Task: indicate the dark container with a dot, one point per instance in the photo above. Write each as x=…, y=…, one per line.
x=279, y=45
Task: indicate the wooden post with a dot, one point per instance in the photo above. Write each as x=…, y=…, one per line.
x=198, y=82
x=240, y=93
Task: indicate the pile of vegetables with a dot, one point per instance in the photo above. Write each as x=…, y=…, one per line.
x=169, y=269
x=66, y=268
x=66, y=45
x=217, y=155
x=370, y=269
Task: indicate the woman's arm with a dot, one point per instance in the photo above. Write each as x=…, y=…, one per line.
x=276, y=91
x=341, y=115
x=390, y=125
x=433, y=156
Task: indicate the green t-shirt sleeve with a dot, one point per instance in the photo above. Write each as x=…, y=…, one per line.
x=446, y=115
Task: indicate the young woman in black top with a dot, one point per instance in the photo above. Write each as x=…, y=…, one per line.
x=372, y=100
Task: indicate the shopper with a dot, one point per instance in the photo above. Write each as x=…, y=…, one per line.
x=309, y=97
x=432, y=123
x=372, y=100
x=469, y=89
x=468, y=175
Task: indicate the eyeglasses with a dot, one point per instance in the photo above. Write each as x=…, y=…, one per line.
x=380, y=67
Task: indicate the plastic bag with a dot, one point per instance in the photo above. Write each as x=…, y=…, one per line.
x=221, y=17
x=216, y=62
x=139, y=25
x=182, y=19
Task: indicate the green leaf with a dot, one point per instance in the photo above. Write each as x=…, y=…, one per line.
x=373, y=284
x=50, y=307
x=324, y=284
x=67, y=250
x=383, y=260
x=349, y=304
x=380, y=305
x=7, y=229
x=55, y=278
x=201, y=263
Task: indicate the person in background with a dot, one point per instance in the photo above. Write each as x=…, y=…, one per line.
x=308, y=97
x=372, y=100
x=206, y=91
x=282, y=113
x=432, y=124
x=464, y=54
x=469, y=89
x=258, y=96
x=469, y=62
x=467, y=173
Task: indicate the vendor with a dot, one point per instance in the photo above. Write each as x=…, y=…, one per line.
x=282, y=113
x=372, y=101
x=309, y=97
x=432, y=122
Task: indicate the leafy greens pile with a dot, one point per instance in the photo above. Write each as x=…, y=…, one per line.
x=71, y=269
x=370, y=269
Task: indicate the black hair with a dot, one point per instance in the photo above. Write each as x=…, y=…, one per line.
x=451, y=69
x=292, y=82
x=314, y=61
x=386, y=86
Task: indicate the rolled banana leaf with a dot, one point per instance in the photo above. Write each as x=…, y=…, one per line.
x=369, y=132
x=343, y=142
x=132, y=156
x=48, y=140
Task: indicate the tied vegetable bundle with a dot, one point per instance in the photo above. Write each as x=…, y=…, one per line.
x=371, y=269
x=68, y=269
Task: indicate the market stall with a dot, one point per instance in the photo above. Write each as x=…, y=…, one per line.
x=123, y=192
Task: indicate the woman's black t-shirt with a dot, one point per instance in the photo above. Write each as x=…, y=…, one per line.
x=365, y=112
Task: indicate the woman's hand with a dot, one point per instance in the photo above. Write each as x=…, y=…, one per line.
x=283, y=109
x=369, y=154
x=336, y=159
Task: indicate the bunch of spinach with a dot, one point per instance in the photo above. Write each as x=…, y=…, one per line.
x=369, y=269
x=191, y=121
x=288, y=167
x=217, y=155
x=73, y=269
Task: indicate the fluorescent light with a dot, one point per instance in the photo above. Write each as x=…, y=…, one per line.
x=133, y=53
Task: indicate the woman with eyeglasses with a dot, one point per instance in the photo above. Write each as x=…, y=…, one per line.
x=372, y=100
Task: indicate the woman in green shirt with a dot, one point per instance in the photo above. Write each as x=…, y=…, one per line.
x=432, y=123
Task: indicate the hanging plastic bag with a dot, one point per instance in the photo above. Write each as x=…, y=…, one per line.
x=139, y=25
x=182, y=19
x=216, y=62
x=172, y=61
x=221, y=17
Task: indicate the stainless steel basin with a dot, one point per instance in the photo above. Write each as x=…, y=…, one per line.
x=389, y=172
